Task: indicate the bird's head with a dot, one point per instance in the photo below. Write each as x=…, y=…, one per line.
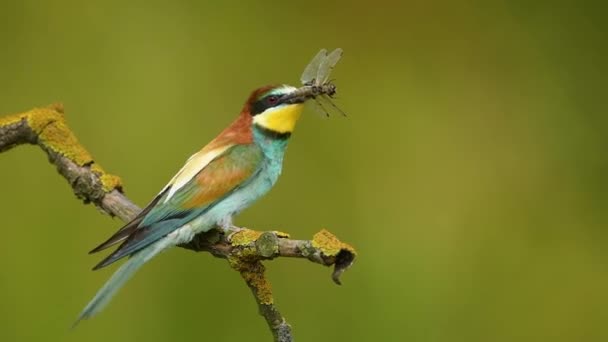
x=275, y=109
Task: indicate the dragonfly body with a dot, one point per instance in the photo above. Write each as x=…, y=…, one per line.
x=315, y=79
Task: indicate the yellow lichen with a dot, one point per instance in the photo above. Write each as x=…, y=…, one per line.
x=244, y=237
x=54, y=134
x=109, y=182
x=329, y=244
x=60, y=139
x=58, y=107
x=281, y=234
x=261, y=285
x=253, y=274
x=52, y=131
x=11, y=119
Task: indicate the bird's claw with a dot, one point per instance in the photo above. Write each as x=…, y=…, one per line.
x=229, y=229
x=233, y=230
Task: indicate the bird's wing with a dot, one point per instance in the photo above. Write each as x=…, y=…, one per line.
x=130, y=227
x=182, y=199
x=194, y=165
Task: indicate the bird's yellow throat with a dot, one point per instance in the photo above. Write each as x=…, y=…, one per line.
x=280, y=119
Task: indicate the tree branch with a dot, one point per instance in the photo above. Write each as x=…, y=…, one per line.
x=245, y=249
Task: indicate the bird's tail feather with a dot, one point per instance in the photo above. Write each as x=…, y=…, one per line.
x=120, y=277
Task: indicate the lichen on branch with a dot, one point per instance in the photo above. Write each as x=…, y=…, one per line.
x=244, y=249
x=47, y=128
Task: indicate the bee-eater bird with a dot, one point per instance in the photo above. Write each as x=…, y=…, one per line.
x=236, y=168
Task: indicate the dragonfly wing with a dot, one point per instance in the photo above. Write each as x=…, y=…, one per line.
x=319, y=108
x=328, y=100
x=311, y=69
x=327, y=65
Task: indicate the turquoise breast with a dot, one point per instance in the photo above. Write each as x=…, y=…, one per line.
x=255, y=187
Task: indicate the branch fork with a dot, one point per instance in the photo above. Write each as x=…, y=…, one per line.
x=244, y=249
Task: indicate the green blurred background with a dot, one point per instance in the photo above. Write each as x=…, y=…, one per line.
x=471, y=173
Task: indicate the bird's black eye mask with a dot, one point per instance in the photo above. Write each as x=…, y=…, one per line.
x=272, y=100
x=264, y=103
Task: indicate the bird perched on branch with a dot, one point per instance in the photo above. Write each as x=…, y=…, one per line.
x=236, y=168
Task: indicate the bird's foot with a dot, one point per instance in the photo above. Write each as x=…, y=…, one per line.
x=228, y=228
x=231, y=231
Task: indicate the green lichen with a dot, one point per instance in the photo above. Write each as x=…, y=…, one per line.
x=267, y=244
x=329, y=244
x=306, y=249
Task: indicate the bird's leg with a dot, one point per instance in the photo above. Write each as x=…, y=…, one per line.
x=228, y=227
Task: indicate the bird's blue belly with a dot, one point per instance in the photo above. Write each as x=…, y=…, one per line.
x=240, y=199
x=247, y=193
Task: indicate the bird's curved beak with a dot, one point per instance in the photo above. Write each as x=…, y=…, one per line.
x=295, y=97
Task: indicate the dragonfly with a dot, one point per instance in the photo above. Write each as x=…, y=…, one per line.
x=315, y=79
